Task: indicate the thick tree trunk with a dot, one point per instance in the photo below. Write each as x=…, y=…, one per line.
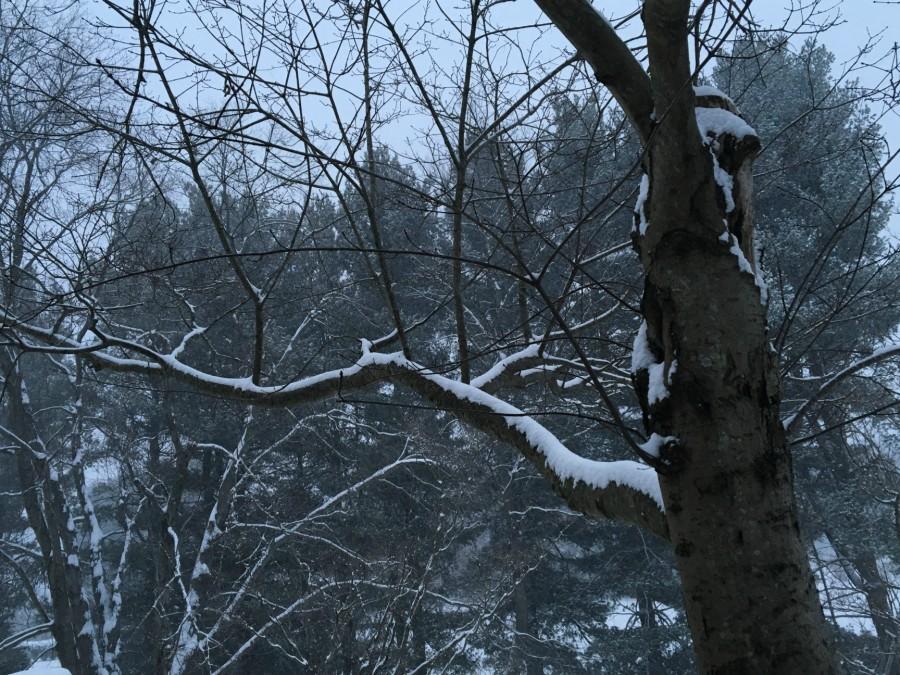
x=725, y=469
x=350, y=667
x=726, y=473
x=749, y=593
x=710, y=381
x=726, y=478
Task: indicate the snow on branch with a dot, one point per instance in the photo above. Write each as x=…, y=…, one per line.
x=718, y=122
x=623, y=490
x=505, y=365
x=23, y=635
x=229, y=612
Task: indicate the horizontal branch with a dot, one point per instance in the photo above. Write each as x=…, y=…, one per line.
x=22, y=636
x=30, y=552
x=625, y=490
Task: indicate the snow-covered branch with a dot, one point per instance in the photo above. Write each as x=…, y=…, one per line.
x=623, y=490
x=512, y=364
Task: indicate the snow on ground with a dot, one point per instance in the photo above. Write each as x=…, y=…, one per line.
x=45, y=668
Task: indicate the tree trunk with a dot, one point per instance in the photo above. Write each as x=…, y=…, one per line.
x=857, y=555
x=523, y=661
x=158, y=543
x=347, y=645
x=876, y=591
x=725, y=471
x=861, y=567
x=48, y=516
x=655, y=663
x=749, y=593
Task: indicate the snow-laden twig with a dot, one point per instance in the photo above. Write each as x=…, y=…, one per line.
x=198, y=330
x=624, y=490
x=102, y=596
x=16, y=639
x=294, y=529
x=111, y=622
x=566, y=464
x=189, y=641
x=188, y=630
x=505, y=365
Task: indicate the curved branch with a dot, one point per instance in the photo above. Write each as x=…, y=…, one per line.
x=609, y=57
x=18, y=638
x=625, y=490
x=28, y=586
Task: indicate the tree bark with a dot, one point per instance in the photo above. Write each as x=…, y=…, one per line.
x=750, y=596
x=875, y=589
x=655, y=662
x=857, y=555
x=749, y=593
x=47, y=513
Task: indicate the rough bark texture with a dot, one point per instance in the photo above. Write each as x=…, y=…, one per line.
x=750, y=596
x=749, y=593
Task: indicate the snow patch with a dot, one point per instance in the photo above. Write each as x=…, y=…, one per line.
x=656, y=387
x=709, y=90
x=655, y=443
x=725, y=181
x=642, y=358
x=744, y=265
x=718, y=121
x=643, y=192
x=498, y=368
x=200, y=569
x=45, y=668
x=564, y=463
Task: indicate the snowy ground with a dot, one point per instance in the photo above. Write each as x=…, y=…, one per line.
x=45, y=668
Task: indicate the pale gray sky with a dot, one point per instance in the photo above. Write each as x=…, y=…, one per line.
x=860, y=20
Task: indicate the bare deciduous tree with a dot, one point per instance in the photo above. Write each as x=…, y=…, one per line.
x=305, y=92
